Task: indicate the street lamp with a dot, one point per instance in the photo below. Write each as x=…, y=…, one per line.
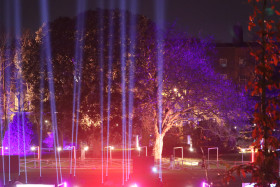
x=86, y=148
x=33, y=148
x=139, y=149
x=110, y=149
x=59, y=149
x=74, y=148
x=3, y=150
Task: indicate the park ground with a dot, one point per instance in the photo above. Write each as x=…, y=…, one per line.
x=88, y=174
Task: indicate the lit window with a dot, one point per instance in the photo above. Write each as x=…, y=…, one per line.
x=223, y=62
x=242, y=81
x=242, y=62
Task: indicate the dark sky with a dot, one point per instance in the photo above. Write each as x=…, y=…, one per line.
x=198, y=17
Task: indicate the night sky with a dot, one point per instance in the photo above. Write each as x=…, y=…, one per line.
x=198, y=17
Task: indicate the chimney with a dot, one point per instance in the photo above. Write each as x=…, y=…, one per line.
x=237, y=34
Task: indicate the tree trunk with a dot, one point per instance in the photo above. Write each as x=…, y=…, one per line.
x=158, y=146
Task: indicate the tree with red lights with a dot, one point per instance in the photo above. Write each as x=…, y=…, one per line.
x=265, y=87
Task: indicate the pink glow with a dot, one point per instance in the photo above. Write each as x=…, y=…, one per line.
x=63, y=184
x=203, y=184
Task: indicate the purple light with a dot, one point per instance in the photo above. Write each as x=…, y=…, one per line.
x=134, y=185
x=25, y=126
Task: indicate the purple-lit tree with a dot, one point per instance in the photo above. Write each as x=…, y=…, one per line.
x=12, y=98
x=48, y=141
x=19, y=135
x=192, y=91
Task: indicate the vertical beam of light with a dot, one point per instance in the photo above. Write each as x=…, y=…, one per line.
x=110, y=60
x=41, y=107
x=18, y=122
x=23, y=136
x=73, y=113
x=48, y=57
x=101, y=75
x=123, y=84
x=160, y=6
x=132, y=34
x=2, y=74
x=79, y=64
x=17, y=23
x=7, y=76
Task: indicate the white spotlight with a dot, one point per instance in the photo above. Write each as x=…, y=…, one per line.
x=86, y=148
